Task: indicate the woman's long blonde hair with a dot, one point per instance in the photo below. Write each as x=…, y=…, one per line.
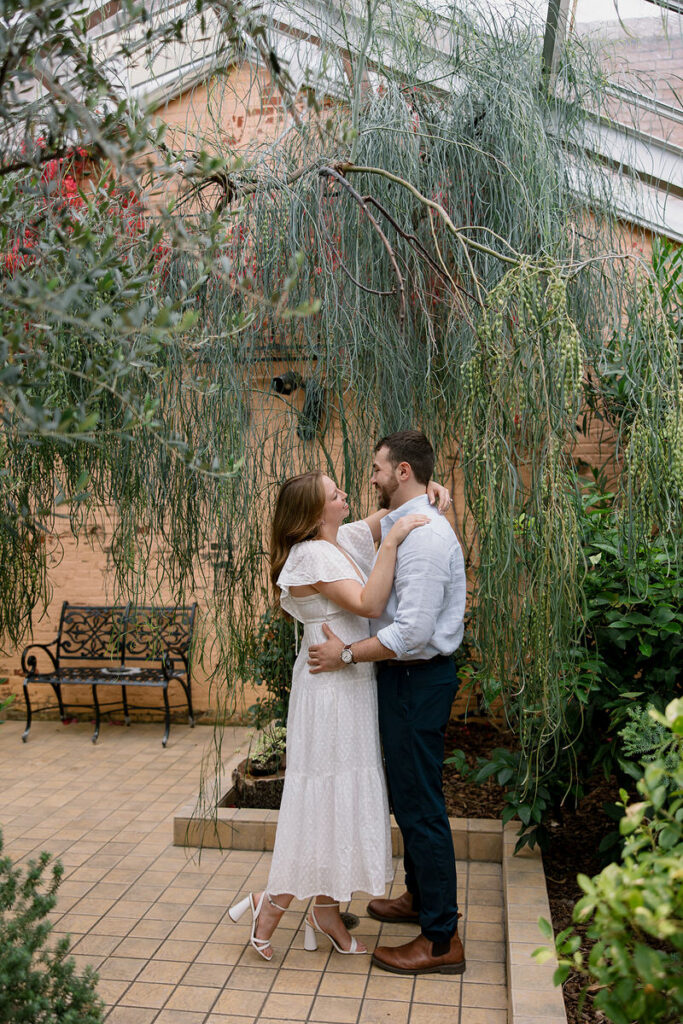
x=298, y=514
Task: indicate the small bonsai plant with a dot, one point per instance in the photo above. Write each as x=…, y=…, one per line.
x=268, y=753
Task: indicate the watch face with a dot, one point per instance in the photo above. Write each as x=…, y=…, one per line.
x=346, y=656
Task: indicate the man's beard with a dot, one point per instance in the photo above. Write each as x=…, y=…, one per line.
x=384, y=495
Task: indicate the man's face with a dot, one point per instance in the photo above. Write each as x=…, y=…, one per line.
x=384, y=478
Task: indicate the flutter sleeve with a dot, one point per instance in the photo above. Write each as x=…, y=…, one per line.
x=356, y=538
x=309, y=562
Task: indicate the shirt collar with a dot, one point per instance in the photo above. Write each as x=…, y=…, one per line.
x=409, y=507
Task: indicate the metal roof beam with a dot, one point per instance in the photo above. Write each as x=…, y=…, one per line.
x=553, y=39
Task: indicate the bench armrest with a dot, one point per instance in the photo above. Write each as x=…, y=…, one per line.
x=29, y=662
x=167, y=664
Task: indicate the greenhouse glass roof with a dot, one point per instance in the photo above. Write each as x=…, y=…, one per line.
x=638, y=129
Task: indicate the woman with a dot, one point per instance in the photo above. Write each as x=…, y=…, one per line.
x=333, y=834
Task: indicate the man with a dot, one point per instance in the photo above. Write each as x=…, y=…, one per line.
x=416, y=682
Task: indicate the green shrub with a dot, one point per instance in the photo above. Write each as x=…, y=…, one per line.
x=271, y=661
x=6, y=701
x=644, y=737
x=634, y=909
x=629, y=658
x=38, y=980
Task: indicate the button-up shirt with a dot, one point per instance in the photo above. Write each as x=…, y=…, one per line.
x=425, y=610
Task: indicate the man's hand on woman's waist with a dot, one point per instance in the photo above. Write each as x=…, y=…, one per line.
x=326, y=657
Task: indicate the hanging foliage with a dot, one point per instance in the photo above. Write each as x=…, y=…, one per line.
x=415, y=253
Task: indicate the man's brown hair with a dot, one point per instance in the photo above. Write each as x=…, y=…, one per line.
x=413, y=447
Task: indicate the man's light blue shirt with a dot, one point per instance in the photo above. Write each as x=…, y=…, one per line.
x=426, y=607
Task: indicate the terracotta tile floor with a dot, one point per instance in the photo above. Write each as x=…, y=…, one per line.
x=152, y=919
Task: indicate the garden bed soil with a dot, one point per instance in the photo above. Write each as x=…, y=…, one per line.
x=574, y=842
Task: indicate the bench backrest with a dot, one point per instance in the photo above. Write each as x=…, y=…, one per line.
x=121, y=634
x=152, y=632
x=91, y=633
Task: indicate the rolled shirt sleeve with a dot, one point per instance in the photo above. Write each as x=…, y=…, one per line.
x=424, y=615
x=420, y=585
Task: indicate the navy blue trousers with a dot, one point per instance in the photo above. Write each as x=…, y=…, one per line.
x=414, y=708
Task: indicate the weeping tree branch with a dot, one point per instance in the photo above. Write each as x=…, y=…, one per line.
x=232, y=185
x=413, y=240
x=347, y=168
x=349, y=275
x=331, y=172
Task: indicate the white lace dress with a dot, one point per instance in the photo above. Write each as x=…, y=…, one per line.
x=333, y=834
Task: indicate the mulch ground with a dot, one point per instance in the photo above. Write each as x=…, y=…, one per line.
x=574, y=841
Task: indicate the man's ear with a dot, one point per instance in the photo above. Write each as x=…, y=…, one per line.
x=404, y=470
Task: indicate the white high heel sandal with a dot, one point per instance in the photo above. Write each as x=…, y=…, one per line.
x=313, y=926
x=236, y=912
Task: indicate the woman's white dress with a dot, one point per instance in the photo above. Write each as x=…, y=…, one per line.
x=333, y=833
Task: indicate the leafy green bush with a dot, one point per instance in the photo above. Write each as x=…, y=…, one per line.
x=634, y=909
x=634, y=606
x=507, y=766
x=6, y=701
x=644, y=737
x=271, y=661
x=629, y=658
x=38, y=982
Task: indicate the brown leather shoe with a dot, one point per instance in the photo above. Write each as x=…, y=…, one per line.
x=417, y=957
x=398, y=911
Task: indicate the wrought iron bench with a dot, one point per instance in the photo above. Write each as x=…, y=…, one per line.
x=118, y=645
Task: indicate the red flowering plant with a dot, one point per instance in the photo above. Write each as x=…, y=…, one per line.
x=55, y=185
x=72, y=226
x=100, y=349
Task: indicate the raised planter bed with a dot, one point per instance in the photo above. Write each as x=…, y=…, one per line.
x=251, y=789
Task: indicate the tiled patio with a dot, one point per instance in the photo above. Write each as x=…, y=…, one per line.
x=153, y=921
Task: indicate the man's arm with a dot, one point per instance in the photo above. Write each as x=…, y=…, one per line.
x=420, y=583
x=373, y=521
x=421, y=576
x=326, y=657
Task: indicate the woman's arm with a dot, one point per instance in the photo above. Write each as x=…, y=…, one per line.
x=438, y=495
x=369, y=601
x=373, y=521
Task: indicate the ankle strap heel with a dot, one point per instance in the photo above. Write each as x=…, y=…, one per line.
x=313, y=926
x=236, y=912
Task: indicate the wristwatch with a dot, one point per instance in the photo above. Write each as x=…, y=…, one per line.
x=346, y=655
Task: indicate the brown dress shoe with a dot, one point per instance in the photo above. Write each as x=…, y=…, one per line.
x=398, y=911
x=418, y=957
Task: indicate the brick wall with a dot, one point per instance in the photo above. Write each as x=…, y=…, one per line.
x=645, y=55
x=245, y=109
x=80, y=570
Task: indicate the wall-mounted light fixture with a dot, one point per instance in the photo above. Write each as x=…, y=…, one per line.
x=313, y=410
x=287, y=382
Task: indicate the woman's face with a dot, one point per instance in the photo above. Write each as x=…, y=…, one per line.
x=336, y=506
